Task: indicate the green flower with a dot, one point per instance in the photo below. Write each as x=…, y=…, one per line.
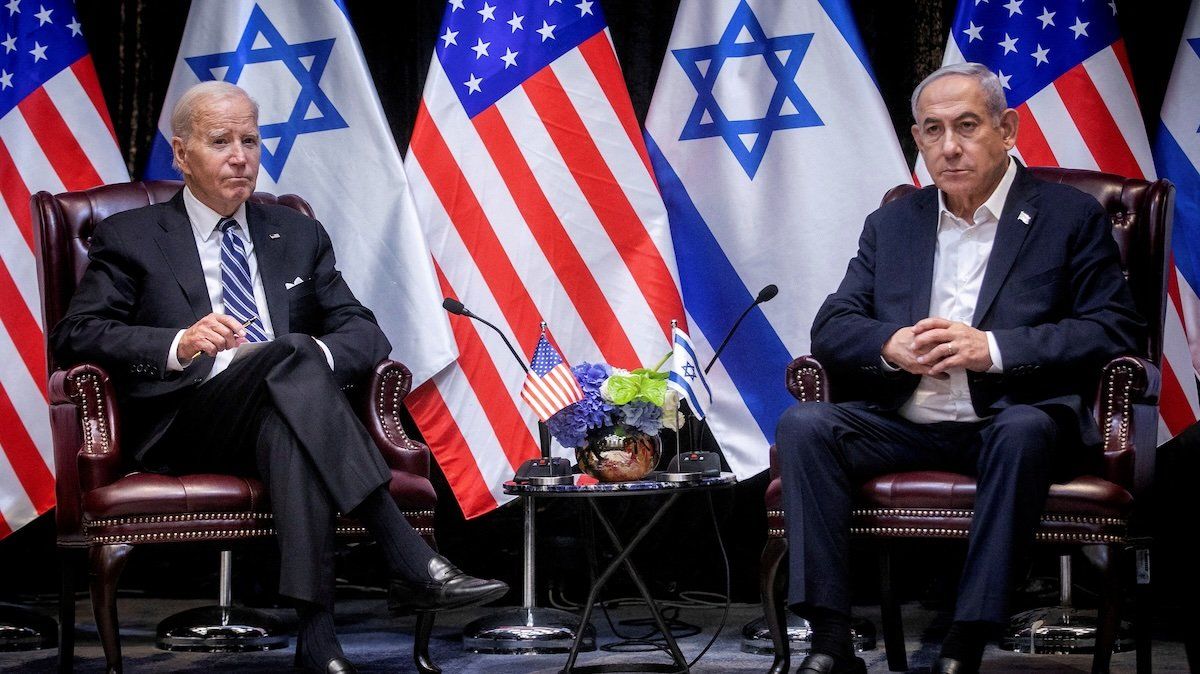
x=641, y=385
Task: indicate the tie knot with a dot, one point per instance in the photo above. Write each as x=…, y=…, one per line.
x=224, y=224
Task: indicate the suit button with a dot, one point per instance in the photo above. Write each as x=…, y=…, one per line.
x=197, y=380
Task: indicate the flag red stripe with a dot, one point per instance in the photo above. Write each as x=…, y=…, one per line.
x=603, y=192
x=57, y=142
x=450, y=449
x=540, y=398
x=23, y=329
x=1174, y=407
x=598, y=53
x=517, y=442
x=560, y=251
x=85, y=72
x=22, y=453
x=1031, y=142
x=468, y=217
x=5, y=530
x=16, y=195
x=1118, y=48
x=1099, y=130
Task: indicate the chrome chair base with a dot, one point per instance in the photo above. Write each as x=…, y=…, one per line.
x=1059, y=630
x=524, y=630
x=756, y=638
x=221, y=629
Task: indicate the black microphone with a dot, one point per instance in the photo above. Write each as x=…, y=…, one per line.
x=555, y=470
x=457, y=308
x=767, y=294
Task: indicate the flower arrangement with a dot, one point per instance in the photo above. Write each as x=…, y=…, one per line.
x=615, y=402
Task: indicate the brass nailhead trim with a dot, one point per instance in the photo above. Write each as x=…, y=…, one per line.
x=965, y=514
x=195, y=517
x=390, y=413
x=89, y=389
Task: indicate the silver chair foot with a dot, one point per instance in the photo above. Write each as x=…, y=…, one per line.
x=756, y=638
x=1059, y=630
x=523, y=630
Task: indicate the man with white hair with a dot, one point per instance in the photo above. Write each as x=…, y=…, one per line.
x=967, y=335
x=173, y=291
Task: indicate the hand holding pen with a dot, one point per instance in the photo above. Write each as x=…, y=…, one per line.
x=210, y=335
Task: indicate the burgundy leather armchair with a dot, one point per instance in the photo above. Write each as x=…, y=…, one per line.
x=1090, y=513
x=105, y=507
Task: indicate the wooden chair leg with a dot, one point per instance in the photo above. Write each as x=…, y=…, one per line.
x=105, y=564
x=421, y=643
x=67, y=562
x=893, y=626
x=1106, y=560
x=772, y=585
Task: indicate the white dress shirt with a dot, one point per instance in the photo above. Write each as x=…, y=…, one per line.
x=208, y=243
x=959, y=263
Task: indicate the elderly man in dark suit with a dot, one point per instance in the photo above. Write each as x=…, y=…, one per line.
x=231, y=333
x=967, y=335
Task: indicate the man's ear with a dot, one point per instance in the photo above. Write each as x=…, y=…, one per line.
x=1008, y=127
x=178, y=150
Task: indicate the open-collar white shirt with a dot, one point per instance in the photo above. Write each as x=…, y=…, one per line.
x=959, y=263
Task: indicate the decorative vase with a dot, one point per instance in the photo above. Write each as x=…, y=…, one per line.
x=618, y=458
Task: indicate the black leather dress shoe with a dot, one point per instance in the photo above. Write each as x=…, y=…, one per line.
x=334, y=666
x=952, y=666
x=448, y=588
x=820, y=663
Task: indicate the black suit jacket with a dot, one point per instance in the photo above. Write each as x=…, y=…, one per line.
x=144, y=283
x=1053, y=295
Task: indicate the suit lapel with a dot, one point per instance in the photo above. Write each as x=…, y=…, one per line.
x=178, y=245
x=1010, y=237
x=922, y=247
x=271, y=255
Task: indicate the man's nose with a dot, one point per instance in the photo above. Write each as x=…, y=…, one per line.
x=238, y=156
x=950, y=144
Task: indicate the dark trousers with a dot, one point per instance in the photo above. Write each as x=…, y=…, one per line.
x=279, y=415
x=827, y=450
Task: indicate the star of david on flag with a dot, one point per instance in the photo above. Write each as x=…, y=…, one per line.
x=744, y=207
x=686, y=375
x=325, y=138
x=787, y=108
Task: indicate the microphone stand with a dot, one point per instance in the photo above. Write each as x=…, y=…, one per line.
x=529, y=628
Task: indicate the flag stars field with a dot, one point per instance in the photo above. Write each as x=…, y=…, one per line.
x=1047, y=18
x=43, y=15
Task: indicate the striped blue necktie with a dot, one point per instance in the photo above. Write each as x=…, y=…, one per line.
x=236, y=288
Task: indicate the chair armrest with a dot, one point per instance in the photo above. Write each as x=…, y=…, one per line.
x=382, y=412
x=1126, y=384
x=807, y=381
x=84, y=426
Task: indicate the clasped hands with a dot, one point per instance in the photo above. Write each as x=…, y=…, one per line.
x=210, y=335
x=935, y=345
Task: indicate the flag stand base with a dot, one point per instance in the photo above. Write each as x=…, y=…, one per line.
x=527, y=628
x=23, y=630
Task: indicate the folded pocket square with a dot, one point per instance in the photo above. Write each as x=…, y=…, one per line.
x=293, y=284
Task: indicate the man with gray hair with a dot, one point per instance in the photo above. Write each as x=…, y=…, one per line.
x=966, y=336
x=174, y=291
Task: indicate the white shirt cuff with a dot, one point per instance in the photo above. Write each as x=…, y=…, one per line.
x=173, y=364
x=887, y=367
x=328, y=355
x=994, y=351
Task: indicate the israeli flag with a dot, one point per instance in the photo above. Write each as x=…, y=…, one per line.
x=771, y=144
x=324, y=137
x=687, y=376
x=1177, y=157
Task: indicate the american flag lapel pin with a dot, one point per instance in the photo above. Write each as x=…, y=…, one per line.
x=1023, y=217
x=273, y=235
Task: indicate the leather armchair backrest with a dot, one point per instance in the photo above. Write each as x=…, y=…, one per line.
x=63, y=225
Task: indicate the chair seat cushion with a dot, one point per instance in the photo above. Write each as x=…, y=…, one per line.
x=1083, y=496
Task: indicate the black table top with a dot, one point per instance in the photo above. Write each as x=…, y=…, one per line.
x=641, y=487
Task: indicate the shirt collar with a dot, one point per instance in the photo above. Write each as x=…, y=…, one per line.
x=995, y=203
x=204, y=219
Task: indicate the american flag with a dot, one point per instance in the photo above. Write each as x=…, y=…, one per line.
x=535, y=191
x=1064, y=69
x=549, y=386
x=55, y=134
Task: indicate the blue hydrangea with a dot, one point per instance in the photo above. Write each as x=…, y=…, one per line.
x=642, y=416
x=571, y=424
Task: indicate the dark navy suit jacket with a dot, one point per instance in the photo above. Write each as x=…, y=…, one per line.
x=1053, y=295
x=144, y=283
